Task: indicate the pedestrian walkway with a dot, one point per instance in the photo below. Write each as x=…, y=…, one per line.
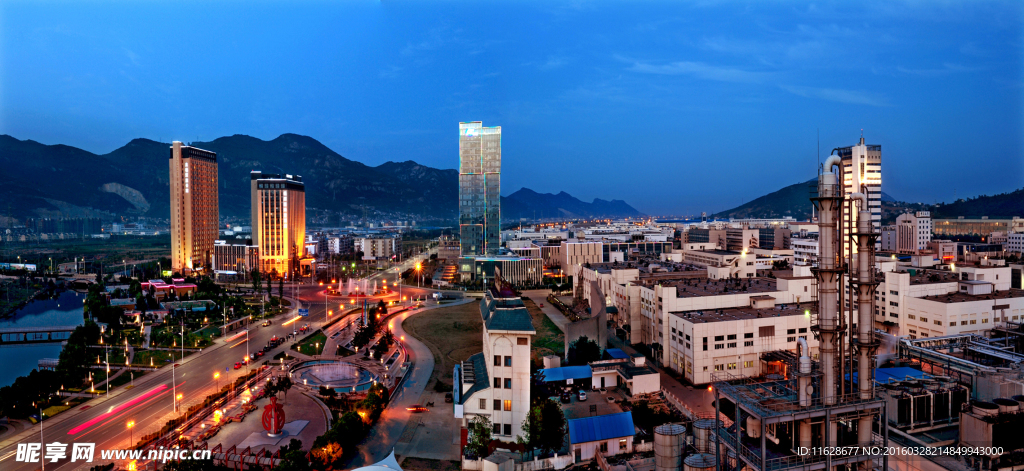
x=539, y=297
x=146, y=332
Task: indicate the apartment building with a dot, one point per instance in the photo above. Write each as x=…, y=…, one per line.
x=194, y=207
x=376, y=248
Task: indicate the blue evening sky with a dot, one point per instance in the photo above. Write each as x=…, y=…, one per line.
x=675, y=107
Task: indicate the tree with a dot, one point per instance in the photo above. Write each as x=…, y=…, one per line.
x=545, y=427
x=284, y=383
x=257, y=280
x=479, y=436
x=382, y=308
x=293, y=458
x=280, y=288
x=583, y=351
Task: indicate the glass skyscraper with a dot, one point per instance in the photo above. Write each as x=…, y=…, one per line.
x=479, y=188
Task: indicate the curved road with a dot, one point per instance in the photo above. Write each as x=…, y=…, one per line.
x=385, y=433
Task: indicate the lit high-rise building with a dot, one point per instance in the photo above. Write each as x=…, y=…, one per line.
x=194, y=211
x=479, y=188
x=278, y=222
x=862, y=173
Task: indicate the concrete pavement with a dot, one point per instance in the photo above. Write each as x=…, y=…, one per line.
x=385, y=435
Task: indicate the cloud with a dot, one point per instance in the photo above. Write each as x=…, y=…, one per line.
x=854, y=97
x=391, y=72
x=436, y=38
x=946, y=69
x=697, y=69
x=552, y=62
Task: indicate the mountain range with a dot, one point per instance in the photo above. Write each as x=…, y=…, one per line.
x=794, y=200
x=63, y=181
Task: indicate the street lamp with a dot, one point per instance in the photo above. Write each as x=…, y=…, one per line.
x=131, y=434
x=216, y=377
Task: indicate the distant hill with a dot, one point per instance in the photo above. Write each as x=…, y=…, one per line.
x=1001, y=206
x=57, y=180
x=526, y=202
x=793, y=200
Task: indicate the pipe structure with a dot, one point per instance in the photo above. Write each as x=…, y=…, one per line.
x=866, y=286
x=828, y=202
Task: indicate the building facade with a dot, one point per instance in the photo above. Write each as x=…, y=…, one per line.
x=479, y=189
x=376, y=248
x=862, y=173
x=496, y=382
x=913, y=232
x=278, y=222
x=195, y=215
x=235, y=258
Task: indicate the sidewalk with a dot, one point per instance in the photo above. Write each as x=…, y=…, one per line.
x=540, y=298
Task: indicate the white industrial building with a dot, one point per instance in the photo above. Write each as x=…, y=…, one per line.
x=496, y=382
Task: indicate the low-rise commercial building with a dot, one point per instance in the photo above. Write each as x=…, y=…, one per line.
x=233, y=258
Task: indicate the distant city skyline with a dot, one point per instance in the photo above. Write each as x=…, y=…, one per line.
x=674, y=108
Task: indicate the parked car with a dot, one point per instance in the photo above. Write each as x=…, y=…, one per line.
x=582, y=395
x=448, y=397
x=238, y=365
x=566, y=398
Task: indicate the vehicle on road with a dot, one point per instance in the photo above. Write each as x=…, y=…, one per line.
x=566, y=397
x=448, y=397
x=266, y=323
x=582, y=395
x=238, y=365
x=416, y=408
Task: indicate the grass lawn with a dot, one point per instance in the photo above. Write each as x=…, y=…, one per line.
x=284, y=355
x=312, y=345
x=452, y=333
x=125, y=378
x=549, y=340
x=116, y=355
x=159, y=357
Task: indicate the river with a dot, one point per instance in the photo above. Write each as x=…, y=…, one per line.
x=19, y=360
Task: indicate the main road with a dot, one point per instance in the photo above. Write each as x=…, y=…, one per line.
x=149, y=404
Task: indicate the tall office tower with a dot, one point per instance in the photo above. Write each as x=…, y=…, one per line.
x=862, y=173
x=278, y=221
x=194, y=211
x=479, y=188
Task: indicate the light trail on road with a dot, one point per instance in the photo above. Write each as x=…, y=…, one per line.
x=291, y=321
x=118, y=409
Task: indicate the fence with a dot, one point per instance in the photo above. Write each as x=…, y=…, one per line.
x=553, y=462
x=690, y=413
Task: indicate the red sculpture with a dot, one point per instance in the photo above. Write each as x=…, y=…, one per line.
x=273, y=417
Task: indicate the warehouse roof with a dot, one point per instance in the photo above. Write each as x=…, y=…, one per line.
x=602, y=427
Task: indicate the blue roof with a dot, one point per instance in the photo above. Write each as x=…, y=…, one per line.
x=617, y=353
x=899, y=373
x=563, y=373
x=602, y=427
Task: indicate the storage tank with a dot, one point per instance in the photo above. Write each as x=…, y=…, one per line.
x=699, y=462
x=702, y=434
x=668, y=447
x=1006, y=405
x=985, y=408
